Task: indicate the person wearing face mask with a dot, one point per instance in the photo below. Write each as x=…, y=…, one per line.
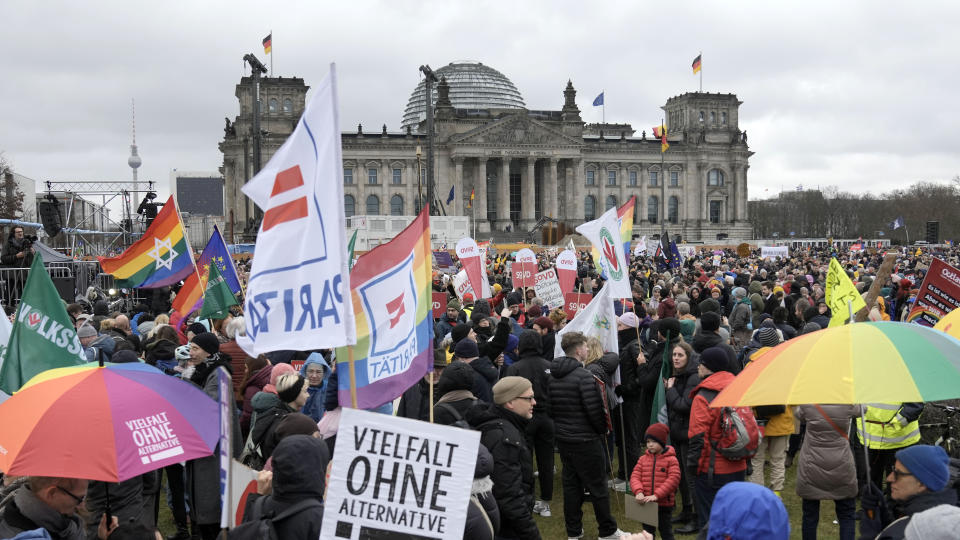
x=203, y=474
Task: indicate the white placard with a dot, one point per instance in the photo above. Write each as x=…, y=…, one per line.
x=461, y=284
x=396, y=478
x=548, y=288
x=526, y=255
x=775, y=251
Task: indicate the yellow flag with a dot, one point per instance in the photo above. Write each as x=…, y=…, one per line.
x=839, y=292
x=918, y=253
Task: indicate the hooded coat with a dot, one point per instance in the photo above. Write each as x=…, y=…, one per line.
x=483, y=515
x=299, y=468
x=575, y=402
x=502, y=433
x=533, y=367
x=702, y=419
x=314, y=406
x=253, y=386
x=455, y=389
x=825, y=467
x=657, y=474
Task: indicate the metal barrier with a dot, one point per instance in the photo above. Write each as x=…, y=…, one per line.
x=12, y=281
x=72, y=279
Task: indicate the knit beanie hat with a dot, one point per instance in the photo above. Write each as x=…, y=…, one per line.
x=289, y=394
x=280, y=370
x=468, y=298
x=630, y=319
x=709, y=305
x=85, y=331
x=466, y=348
x=207, y=341
x=453, y=303
x=514, y=298
x=295, y=424
x=459, y=332
x=658, y=432
x=715, y=359
x=534, y=312
x=740, y=293
x=938, y=523
x=710, y=321
x=810, y=327
x=543, y=322
x=669, y=326
x=768, y=337
x=509, y=388
x=197, y=328
x=125, y=356
x=930, y=465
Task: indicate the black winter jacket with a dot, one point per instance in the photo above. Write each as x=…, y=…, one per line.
x=648, y=376
x=604, y=368
x=575, y=402
x=415, y=402
x=299, y=466
x=485, y=376
x=482, y=501
x=629, y=388
x=679, y=401
x=502, y=434
x=533, y=367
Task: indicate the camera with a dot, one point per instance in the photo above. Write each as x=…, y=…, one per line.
x=28, y=240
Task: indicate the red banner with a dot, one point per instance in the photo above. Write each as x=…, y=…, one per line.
x=439, y=304
x=574, y=302
x=939, y=294
x=523, y=274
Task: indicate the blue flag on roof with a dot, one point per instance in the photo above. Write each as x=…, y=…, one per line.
x=450, y=196
x=598, y=101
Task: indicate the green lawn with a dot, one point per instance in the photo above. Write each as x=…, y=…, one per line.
x=552, y=527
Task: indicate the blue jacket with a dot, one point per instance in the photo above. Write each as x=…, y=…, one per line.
x=748, y=511
x=314, y=407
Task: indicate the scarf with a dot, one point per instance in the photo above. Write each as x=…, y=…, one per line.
x=456, y=395
x=37, y=511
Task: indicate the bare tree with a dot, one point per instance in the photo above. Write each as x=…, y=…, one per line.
x=11, y=198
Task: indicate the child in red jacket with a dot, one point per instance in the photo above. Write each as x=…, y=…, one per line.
x=657, y=477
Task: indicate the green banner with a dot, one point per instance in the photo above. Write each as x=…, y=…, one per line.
x=218, y=297
x=43, y=336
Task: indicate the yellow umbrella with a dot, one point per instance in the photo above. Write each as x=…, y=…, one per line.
x=950, y=323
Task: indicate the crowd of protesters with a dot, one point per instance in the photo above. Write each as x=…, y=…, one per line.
x=495, y=371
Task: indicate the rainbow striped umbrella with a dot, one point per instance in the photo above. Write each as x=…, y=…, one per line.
x=109, y=423
x=950, y=323
x=868, y=362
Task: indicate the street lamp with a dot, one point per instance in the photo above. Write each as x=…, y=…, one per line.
x=429, y=79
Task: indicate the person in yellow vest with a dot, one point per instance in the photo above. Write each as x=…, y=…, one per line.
x=885, y=428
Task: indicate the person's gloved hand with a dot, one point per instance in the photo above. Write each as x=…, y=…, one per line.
x=874, y=513
x=618, y=390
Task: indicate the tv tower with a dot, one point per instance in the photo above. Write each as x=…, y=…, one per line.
x=134, y=160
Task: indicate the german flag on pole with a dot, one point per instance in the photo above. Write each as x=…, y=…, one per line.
x=660, y=132
x=268, y=40
x=695, y=66
x=470, y=204
x=161, y=257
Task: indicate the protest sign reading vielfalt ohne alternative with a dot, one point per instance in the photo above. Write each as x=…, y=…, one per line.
x=396, y=478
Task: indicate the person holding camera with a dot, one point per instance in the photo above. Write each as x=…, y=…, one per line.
x=18, y=251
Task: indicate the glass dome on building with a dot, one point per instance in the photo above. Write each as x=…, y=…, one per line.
x=472, y=86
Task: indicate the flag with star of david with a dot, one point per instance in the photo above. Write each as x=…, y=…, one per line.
x=160, y=258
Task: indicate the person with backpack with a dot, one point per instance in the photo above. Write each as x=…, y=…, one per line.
x=456, y=397
x=502, y=425
x=294, y=508
x=706, y=462
x=779, y=425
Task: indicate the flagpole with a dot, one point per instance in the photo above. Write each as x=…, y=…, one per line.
x=271, y=56
x=663, y=183
x=700, y=54
x=193, y=261
x=603, y=108
x=243, y=291
x=353, y=377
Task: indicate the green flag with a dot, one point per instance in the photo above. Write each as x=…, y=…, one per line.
x=353, y=242
x=217, y=298
x=43, y=336
x=658, y=412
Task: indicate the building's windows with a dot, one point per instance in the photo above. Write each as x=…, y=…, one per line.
x=396, y=205
x=273, y=105
x=347, y=176
x=715, y=177
x=701, y=117
x=611, y=178
x=653, y=179
x=287, y=105
x=715, y=209
x=633, y=178
x=349, y=205
x=653, y=208
x=713, y=117
x=673, y=207
x=589, y=208
x=723, y=117
x=373, y=205
x=674, y=178
x=397, y=176
x=611, y=201
x=590, y=178
x=372, y=176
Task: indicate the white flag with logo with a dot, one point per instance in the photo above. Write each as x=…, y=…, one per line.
x=298, y=291
x=598, y=320
x=641, y=248
x=604, y=234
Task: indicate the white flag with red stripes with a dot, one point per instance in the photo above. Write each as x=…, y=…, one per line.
x=298, y=290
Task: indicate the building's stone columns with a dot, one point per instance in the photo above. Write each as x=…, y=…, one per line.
x=455, y=209
x=503, y=194
x=528, y=199
x=479, y=210
x=578, y=190
x=551, y=189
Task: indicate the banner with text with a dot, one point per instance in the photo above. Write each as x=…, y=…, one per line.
x=770, y=252
x=939, y=294
x=567, y=270
x=574, y=302
x=396, y=478
x=548, y=288
x=439, y=304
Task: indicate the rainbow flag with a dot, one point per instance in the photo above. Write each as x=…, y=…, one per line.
x=160, y=258
x=390, y=285
x=625, y=220
x=190, y=296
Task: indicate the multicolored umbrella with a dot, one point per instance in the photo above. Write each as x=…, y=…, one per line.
x=868, y=362
x=950, y=323
x=105, y=423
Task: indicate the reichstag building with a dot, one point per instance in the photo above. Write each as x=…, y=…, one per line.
x=520, y=163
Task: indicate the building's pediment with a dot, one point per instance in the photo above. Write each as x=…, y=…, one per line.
x=514, y=130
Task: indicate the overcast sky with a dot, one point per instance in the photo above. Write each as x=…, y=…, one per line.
x=854, y=94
